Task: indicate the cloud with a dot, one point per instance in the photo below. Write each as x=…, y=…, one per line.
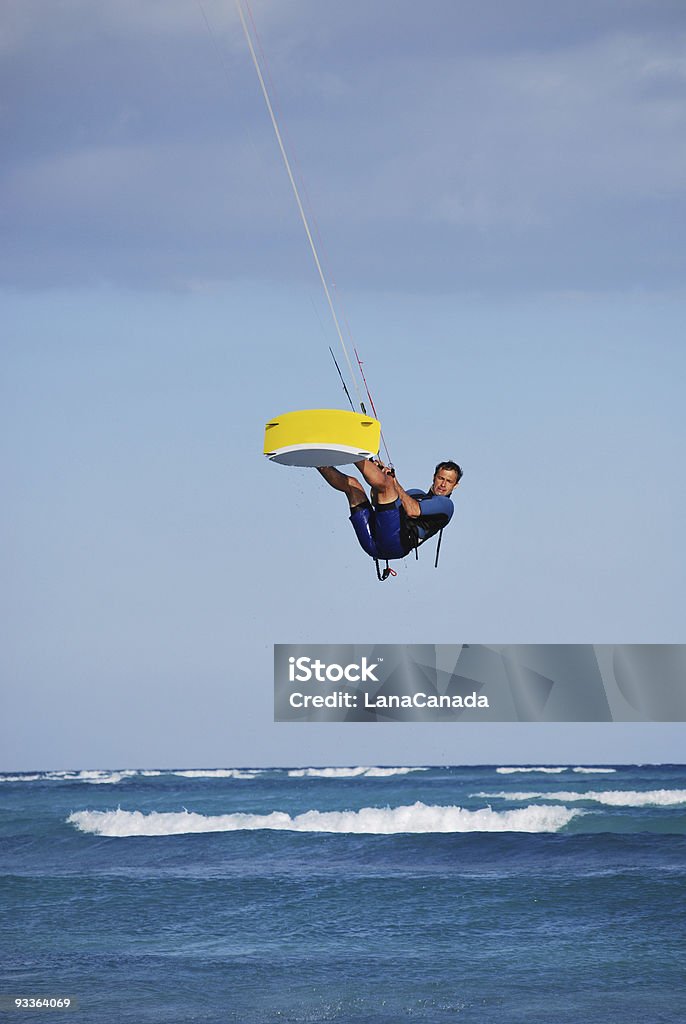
x=473, y=149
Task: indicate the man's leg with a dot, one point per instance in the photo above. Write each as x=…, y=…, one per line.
x=362, y=516
x=382, y=484
x=349, y=485
x=388, y=538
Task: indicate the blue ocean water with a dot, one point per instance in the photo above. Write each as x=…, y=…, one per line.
x=379, y=895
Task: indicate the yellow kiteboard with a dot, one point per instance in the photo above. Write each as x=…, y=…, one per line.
x=321, y=437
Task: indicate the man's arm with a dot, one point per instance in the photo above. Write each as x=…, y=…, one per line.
x=410, y=504
x=385, y=483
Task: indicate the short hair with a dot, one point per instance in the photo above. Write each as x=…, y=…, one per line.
x=452, y=467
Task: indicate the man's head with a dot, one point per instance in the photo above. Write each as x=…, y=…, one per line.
x=447, y=476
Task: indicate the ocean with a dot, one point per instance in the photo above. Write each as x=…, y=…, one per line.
x=479, y=895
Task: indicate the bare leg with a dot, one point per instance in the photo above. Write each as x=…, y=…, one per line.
x=349, y=485
x=383, y=484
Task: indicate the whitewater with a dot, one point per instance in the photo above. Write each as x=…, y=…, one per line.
x=418, y=818
x=373, y=894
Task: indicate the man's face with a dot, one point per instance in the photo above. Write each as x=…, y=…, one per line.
x=445, y=481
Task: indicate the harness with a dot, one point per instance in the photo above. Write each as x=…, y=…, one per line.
x=383, y=574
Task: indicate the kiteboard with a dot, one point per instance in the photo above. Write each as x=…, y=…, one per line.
x=321, y=437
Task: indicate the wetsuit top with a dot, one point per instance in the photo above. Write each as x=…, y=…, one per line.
x=436, y=512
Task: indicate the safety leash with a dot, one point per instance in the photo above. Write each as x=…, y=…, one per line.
x=382, y=575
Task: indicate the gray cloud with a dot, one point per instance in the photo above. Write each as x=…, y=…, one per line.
x=491, y=148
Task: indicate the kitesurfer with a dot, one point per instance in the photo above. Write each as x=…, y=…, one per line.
x=395, y=521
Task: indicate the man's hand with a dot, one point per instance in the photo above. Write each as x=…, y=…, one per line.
x=387, y=470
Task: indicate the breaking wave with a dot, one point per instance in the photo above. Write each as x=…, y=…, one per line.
x=611, y=798
x=557, y=770
x=107, y=776
x=114, y=776
x=349, y=773
x=215, y=773
x=102, y=776
x=417, y=818
x=95, y=777
x=20, y=778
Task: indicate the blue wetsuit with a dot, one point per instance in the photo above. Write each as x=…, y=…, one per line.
x=386, y=531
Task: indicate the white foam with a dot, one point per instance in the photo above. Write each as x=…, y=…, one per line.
x=65, y=776
x=93, y=776
x=214, y=773
x=350, y=773
x=611, y=798
x=326, y=773
x=417, y=818
x=20, y=778
x=555, y=771
x=106, y=780
x=101, y=776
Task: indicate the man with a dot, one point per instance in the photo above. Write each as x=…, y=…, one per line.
x=396, y=520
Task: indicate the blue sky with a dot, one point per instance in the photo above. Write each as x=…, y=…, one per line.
x=498, y=195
